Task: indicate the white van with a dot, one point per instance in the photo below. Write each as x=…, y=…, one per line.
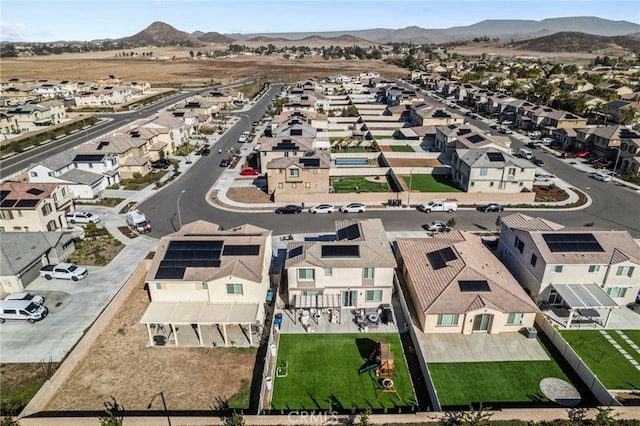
x=525, y=153
x=25, y=310
x=26, y=296
x=137, y=221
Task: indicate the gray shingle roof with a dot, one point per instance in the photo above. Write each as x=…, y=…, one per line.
x=82, y=177
x=20, y=249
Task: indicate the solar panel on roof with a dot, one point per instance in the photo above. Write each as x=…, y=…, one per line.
x=476, y=139
x=285, y=145
x=439, y=258
x=474, y=285
x=4, y=194
x=35, y=191
x=495, y=156
x=340, y=251
x=27, y=203
x=241, y=250
x=295, y=132
x=296, y=251
x=87, y=158
x=351, y=232
x=8, y=203
x=169, y=273
x=569, y=243
x=102, y=145
x=310, y=162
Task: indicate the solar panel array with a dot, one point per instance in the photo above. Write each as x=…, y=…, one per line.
x=474, y=285
x=27, y=203
x=88, y=158
x=351, y=232
x=495, y=156
x=35, y=191
x=570, y=243
x=476, y=139
x=285, y=145
x=241, y=250
x=8, y=202
x=4, y=194
x=296, y=251
x=310, y=162
x=439, y=258
x=181, y=255
x=340, y=251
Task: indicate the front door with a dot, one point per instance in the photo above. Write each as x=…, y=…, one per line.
x=482, y=322
x=349, y=298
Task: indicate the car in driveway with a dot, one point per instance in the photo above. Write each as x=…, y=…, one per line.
x=541, y=178
x=322, y=208
x=161, y=164
x=493, y=207
x=224, y=163
x=538, y=162
x=437, y=226
x=533, y=134
x=601, y=177
x=583, y=154
x=249, y=172
x=289, y=209
x=82, y=217
x=35, y=298
x=353, y=208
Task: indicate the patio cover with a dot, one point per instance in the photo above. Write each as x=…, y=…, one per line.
x=200, y=313
x=581, y=296
x=318, y=301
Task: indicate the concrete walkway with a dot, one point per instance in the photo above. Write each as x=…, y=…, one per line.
x=620, y=348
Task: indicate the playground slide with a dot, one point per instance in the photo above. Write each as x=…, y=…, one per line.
x=368, y=368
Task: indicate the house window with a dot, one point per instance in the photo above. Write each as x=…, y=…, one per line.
x=55, y=198
x=46, y=209
x=616, y=291
x=6, y=214
x=294, y=185
x=33, y=174
x=624, y=271
x=2, y=229
x=51, y=226
x=502, y=185
x=520, y=246
x=161, y=286
x=556, y=268
x=515, y=319
x=534, y=259
x=511, y=172
x=203, y=286
x=328, y=272
x=448, y=320
x=373, y=296
x=280, y=185
x=294, y=172
x=594, y=268
x=279, y=170
x=19, y=212
x=367, y=273
x=306, y=274
x=312, y=293
x=307, y=184
x=51, y=174
x=234, y=288
x=483, y=171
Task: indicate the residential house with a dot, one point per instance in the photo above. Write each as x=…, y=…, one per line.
x=224, y=98
x=18, y=95
x=131, y=153
x=51, y=91
x=8, y=124
x=33, y=207
x=456, y=136
x=554, y=262
x=457, y=285
x=624, y=112
x=282, y=146
x=605, y=141
x=491, y=170
x=110, y=80
x=354, y=271
x=23, y=254
x=209, y=280
x=304, y=174
x=169, y=132
x=104, y=96
x=575, y=85
x=31, y=117
x=629, y=160
x=425, y=114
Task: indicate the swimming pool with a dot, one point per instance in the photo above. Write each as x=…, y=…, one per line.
x=352, y=162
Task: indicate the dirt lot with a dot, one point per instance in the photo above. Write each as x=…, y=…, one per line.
x=120, y=365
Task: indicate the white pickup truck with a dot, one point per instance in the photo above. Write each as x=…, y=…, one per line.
x=448, y=205
x=64, y=271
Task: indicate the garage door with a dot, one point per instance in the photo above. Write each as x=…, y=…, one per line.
x=31, y=273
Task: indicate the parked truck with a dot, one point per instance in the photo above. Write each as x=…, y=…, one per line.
x=64, y=271
x=448, y=205
x=137, y=221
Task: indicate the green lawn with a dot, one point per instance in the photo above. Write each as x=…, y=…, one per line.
x=402, y=148
x=348, y=184
x=323, y=373
x=492, y=382
x=613, y=369
x=633, y=335
x=430, y=183
x=627, y=347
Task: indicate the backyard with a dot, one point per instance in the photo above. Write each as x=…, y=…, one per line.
x=605, y=361
x=360, y=184
x=323, y=374
x=402, y=148
x=429, y=183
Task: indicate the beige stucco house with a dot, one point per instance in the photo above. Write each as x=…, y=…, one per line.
x=304, y=174
x=457, y=285
x=34, y=207
x=204, y=277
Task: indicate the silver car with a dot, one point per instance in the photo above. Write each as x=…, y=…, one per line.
x=82, y=217
x=437, y=226
x=322, y=208
x=353, y=208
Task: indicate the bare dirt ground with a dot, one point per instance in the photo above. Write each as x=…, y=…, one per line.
x=119, y=364
x=414, y=162
x=250, y=195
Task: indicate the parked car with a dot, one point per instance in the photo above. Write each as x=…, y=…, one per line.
x=64, y=271
x=224, y=163
x=255, y=123
x=604, y=164
x=493, y=207
x=583, y=154
x=35, y=298
x=437, y=226
x=533, y=134
x=322, y=208
x=568, y=155
x=161, y=164
x=494, y=126
x=533, y=145
x=505, y=130
x=601, y=177
x=205, y=152
x=82, y=217
x=541, y=178
x=538, y=163
x=289, y=209
x=249, y=172
x=353, y=208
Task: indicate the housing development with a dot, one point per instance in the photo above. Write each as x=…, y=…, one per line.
x=415, y=248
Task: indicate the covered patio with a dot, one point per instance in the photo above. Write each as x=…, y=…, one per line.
x=584, y=304
x=311, y=308
x=203, y=324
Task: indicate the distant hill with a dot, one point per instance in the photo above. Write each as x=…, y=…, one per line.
x=214, y=37
x=578, y=42
x=415, y=35
x=160, y=34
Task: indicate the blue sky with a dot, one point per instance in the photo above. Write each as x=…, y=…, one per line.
x=49, y=20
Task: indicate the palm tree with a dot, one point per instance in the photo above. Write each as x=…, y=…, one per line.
x=629, y=115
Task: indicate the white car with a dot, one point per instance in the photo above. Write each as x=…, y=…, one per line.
x=82, y=217
x=601, y=177
x=353, y=208
x=533, y=134
x=322, y=208
x=35, y=298
x=437, y=226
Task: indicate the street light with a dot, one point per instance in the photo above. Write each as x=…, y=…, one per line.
x=178, y=208
x=164, y=403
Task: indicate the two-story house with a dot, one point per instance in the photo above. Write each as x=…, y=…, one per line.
x=456, y=136
x=209, y=286
x=131, y=153
x=290, y=178
x=456, y=285
x=491, y=170
x=33, y=207
x=354, y=271
x=605, y=141
x=555, y=263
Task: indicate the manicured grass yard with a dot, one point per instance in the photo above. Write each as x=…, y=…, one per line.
x=613, y=370
x=429, y=183
x=402, y=148
x=348, y=184
x=323, y=370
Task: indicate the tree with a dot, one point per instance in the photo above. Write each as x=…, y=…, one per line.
x=236, y=420
x=451, y=223
x=629, y=116
x=191, y=54
x=364, y=418
x=113, y=412
x=605, y=417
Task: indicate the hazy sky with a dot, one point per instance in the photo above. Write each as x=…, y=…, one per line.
x=26, y=20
